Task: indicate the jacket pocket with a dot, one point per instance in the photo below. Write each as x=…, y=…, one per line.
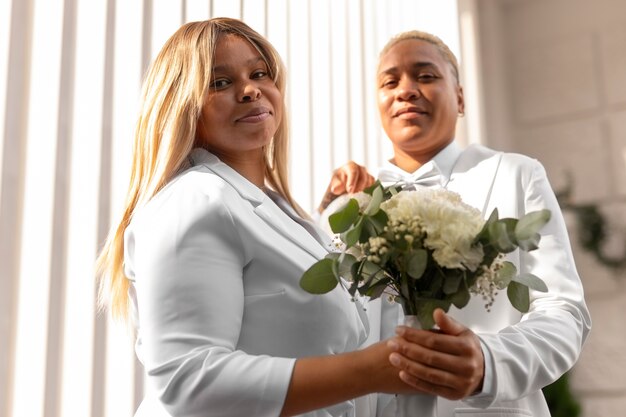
x=492, y=412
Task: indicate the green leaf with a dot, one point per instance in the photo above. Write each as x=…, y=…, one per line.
x=371, y=273
x=460, y=298
x=501, y=235
x=531, y=243
x=353, y=234
x=319, y=278
x=344, y=268
x=379, y=220
x=343, y=218
x=519, y=296
x=531, y=281
x=527, y=229
x=531, y=223
x=425, y=310
x=505, y=275
x=368, y=229
x=370, y=190
x=483, y=235
x=416, y=263
x=374, y=204
x=376, y=290
x=451, y=282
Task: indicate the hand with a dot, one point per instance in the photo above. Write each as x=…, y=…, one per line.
x=448, y=362
x=380, y=374
x=349, y=178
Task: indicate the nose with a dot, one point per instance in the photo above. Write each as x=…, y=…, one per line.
x=408, y=89
x=249, y=92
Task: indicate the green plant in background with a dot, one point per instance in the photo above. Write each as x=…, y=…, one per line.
x=592, y=229
x=560, y=400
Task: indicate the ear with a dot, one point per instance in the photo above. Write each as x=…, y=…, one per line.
x=460, y=99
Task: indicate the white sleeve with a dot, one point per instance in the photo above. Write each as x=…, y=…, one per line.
x=187, y=260
x=548, y=340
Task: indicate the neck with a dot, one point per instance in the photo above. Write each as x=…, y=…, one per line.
x=411, y=160
x=250, y=165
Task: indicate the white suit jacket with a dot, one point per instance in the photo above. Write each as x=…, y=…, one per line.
x=526, y=351
x=215, y=266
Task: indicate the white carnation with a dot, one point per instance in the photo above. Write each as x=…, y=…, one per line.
x=449, y=224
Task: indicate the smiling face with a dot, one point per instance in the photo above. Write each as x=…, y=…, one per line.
x=419, y=99
x=242, y=110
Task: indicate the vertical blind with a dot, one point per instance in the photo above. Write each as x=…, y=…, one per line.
x=70, y=74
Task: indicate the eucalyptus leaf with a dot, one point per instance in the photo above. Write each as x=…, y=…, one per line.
x=352, y=235
x=505, y=274
x=319, y=278
x=530, y=243
x=344, y=269
x=370, y=190
x=342, y=219
x=371, y=273
x=519, y=296
x=425, y=309
x=483, y=235
x=531, y=281
x=500, y=237
x=451, y=282
x=368, y=229
x=531, y=223
x=376, y=290
x=416, y=263
x=374, y=204
x=379, y=220
x=461, y=297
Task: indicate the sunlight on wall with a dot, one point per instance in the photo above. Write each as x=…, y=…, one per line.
x=39, y=204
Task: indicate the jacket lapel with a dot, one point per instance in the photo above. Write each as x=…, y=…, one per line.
x=279, y=215
x=474, y=174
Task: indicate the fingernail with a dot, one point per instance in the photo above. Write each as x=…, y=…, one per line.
x=400, y=330
x=394, y=358
x=393, y=345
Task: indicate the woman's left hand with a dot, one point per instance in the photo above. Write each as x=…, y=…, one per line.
x=349, y=178
x=448, y=362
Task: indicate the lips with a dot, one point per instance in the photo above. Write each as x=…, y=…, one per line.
x=255, y=115
x=409, y=111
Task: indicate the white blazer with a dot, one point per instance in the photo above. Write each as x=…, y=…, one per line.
x=215, y=265
x=525, y=351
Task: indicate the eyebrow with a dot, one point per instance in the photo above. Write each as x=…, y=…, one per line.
x=251, y=61
x=416, y=65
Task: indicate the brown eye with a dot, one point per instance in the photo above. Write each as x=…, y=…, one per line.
x=259, y=74
x=219, y=83
x=426, y=77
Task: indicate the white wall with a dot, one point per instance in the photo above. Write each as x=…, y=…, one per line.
x=70, y=72
x=555, y=88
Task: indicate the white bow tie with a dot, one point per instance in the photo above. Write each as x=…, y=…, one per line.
x=427, y=176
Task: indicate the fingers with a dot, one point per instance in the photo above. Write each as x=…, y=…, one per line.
x=463, y=359
x=350, y=178
x=447, y=324
x=436, y=373
x=448, y=362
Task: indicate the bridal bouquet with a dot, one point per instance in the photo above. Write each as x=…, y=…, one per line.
x=426, y=249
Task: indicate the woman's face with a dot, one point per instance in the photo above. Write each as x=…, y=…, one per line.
x=418, y=97
x=242, y=109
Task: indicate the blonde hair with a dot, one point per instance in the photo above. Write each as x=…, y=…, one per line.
x=443, y=49
x=173, y=95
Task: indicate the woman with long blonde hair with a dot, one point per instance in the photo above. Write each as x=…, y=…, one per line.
x=206, y=259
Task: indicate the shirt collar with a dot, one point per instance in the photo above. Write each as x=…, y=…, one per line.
x=444, y=160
